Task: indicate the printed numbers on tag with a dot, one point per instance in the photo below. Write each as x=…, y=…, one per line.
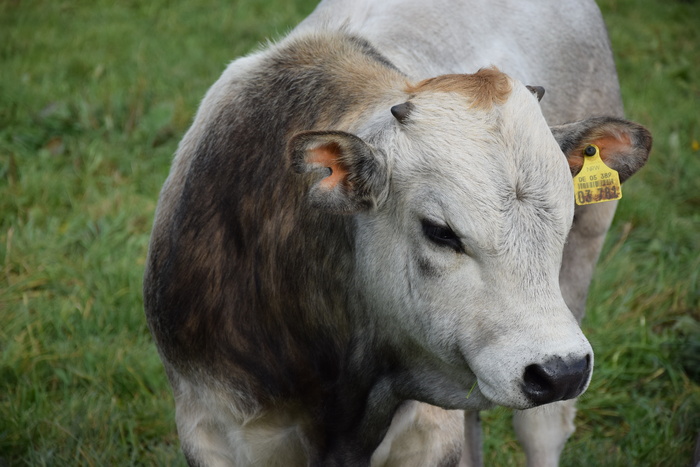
x=596, y=182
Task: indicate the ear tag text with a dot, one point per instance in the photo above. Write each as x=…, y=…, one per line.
x=596, y=182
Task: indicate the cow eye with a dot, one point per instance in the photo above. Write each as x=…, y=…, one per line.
x=442, y=235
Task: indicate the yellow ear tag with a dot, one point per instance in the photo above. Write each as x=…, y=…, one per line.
x=596, y=182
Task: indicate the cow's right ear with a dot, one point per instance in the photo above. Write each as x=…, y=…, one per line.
x=624, y=146
x=353, y=174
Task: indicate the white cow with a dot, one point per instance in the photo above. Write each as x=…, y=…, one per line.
x=366, y=218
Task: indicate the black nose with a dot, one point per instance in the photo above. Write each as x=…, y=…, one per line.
x=556, y=379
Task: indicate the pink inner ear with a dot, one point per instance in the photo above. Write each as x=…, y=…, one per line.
x=609, y=145
x=329, y=156
x=612, y=145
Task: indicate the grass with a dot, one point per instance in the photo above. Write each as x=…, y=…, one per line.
x=94, y=97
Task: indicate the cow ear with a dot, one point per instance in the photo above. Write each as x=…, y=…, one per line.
x=354, y=175
x=624, y=146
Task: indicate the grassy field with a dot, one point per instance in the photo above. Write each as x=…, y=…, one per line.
x=94, y=96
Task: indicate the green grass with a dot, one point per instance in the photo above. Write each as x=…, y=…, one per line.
x=95, y=95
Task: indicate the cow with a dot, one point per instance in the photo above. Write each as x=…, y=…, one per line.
x=370, y=229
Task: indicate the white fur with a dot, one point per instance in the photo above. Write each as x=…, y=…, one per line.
x=506, y=287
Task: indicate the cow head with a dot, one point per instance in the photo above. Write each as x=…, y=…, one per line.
x=462, y=200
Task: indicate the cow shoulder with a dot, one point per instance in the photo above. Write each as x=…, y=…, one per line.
x=245, y=278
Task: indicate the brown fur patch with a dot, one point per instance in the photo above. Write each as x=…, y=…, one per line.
x=485, y=88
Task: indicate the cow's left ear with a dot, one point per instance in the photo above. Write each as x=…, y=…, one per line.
x=624, y=146
x=354, y=174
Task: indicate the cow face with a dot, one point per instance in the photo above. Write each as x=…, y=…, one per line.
x=462, y=204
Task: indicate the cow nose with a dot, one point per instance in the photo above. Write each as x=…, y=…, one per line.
x=556, y=379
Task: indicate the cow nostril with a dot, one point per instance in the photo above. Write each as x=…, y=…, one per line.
x=537, y=383
x=556, y=379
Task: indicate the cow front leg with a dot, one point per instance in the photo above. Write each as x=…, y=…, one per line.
x=421, y=435
x=472, y=451
x=543, y=431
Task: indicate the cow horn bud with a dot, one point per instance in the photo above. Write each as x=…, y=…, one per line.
x=537, y=91
x=402, y=111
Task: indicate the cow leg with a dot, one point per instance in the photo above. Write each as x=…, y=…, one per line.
x=472, y=454
x=214, y=432
x=543, y=431
x=421, y=435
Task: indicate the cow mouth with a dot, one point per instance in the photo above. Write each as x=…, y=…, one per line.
x=495, y=398
x=476, y=399
x=490, y=393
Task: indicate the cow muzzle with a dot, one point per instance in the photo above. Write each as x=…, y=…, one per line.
x=556, y=379
x=547, y=364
